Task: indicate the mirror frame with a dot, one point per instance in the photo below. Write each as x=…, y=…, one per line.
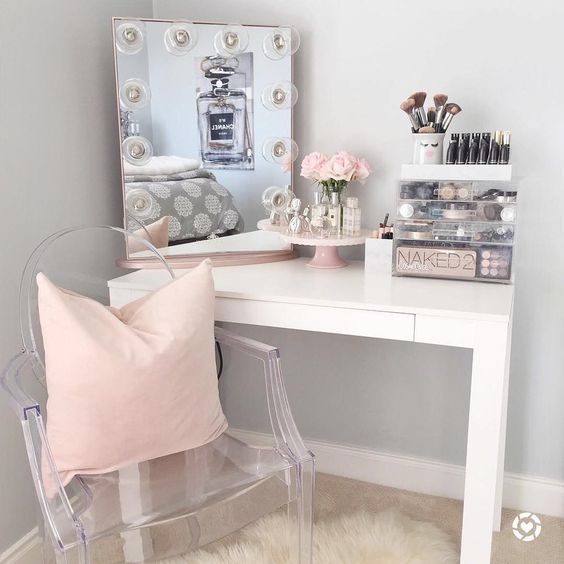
x=228, y=258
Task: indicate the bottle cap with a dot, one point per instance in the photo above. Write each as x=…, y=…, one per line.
x=352, y=202
x=334, y=198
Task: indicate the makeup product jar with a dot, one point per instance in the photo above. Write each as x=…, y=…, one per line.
x=428, y=148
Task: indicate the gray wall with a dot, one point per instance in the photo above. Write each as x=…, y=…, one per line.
x=59, y=166
x=358, y=61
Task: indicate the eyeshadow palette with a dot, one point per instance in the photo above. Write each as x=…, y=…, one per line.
x=455, y=229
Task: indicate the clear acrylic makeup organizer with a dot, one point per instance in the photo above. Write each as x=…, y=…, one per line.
x=171, y=505
x=456, y=222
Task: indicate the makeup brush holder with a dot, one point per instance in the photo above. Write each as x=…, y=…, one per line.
x=428, y=148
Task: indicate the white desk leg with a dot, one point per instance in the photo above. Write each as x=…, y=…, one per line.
x=484, y=440
x=503, y=431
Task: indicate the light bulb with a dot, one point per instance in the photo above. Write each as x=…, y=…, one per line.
x=281, y=151
x=129, y=38
x=134, y=94
x=137, y=150
x=180, y=38
x=279, y=96
x=281, y=42
x=231, y=40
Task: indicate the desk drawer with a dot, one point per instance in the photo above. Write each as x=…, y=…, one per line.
x=343, y=321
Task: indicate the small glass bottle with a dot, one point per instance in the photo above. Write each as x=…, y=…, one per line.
x=222, y=119
x=334, y=213
x=320, y=224
x=318, y=209
x=351, y=217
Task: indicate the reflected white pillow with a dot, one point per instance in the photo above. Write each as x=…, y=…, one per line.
x=161, y=166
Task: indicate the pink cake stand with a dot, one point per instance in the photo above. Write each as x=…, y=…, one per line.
x=327, y=249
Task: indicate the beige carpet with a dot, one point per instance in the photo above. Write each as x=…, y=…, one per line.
x=335, y=495
x=340, y=496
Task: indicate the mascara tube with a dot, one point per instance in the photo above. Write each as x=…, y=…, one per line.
x=473, y=151
x=495, y=145
x=452, y=150
x=505, y=148
x=462, y=155
x=484, y=149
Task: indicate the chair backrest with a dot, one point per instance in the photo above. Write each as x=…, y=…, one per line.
x=82, y=260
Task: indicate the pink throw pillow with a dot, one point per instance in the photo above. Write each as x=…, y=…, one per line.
x=156, y=233
x=131, y=384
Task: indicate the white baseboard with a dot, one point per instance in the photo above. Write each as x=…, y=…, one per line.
x=520, y=492
x=527, y=493
x=26, y=551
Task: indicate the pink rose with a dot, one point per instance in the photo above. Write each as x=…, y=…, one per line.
x=362, y=170
x=312, y=165
x=341, y=166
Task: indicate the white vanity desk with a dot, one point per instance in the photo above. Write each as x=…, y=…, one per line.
x=349, y=301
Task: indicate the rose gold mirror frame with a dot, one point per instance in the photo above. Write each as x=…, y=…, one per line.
x=232, y=258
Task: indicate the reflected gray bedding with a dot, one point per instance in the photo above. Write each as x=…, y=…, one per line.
x=198, y=206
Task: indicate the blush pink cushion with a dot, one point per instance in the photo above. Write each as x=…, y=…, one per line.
x=131, y=384
x=156, y=233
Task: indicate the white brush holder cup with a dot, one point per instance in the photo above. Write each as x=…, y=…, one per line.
x=428, y=148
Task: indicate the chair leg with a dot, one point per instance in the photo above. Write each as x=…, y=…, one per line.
x=300, y=512
x=195, y=533
x=83, y=554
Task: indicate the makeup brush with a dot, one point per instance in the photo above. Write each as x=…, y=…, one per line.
x=440, y=101
x=449, y=112
x=431, y=115
x=419, y=110
x=407, y=107
x=427, y=129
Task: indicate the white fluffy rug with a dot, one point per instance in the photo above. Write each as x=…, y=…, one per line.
x=362, y=538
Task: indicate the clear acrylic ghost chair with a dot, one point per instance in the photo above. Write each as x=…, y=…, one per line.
x=166, y=506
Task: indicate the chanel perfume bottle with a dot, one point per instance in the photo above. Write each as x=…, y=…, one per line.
x=351, y=217
x=222, y=117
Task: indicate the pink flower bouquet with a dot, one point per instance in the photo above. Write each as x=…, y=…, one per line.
x=334, y=173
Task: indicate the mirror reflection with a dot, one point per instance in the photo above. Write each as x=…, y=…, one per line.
x=206, y=127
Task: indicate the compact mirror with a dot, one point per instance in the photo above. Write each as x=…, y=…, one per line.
x=205, y=127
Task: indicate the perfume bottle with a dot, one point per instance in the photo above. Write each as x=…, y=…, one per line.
x=351, y=217
x=299, y=224
x=334, y=213
x=318, y=209
x=320, y=223
x=222, y=118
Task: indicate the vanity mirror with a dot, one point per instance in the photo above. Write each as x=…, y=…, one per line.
x=205, y=124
